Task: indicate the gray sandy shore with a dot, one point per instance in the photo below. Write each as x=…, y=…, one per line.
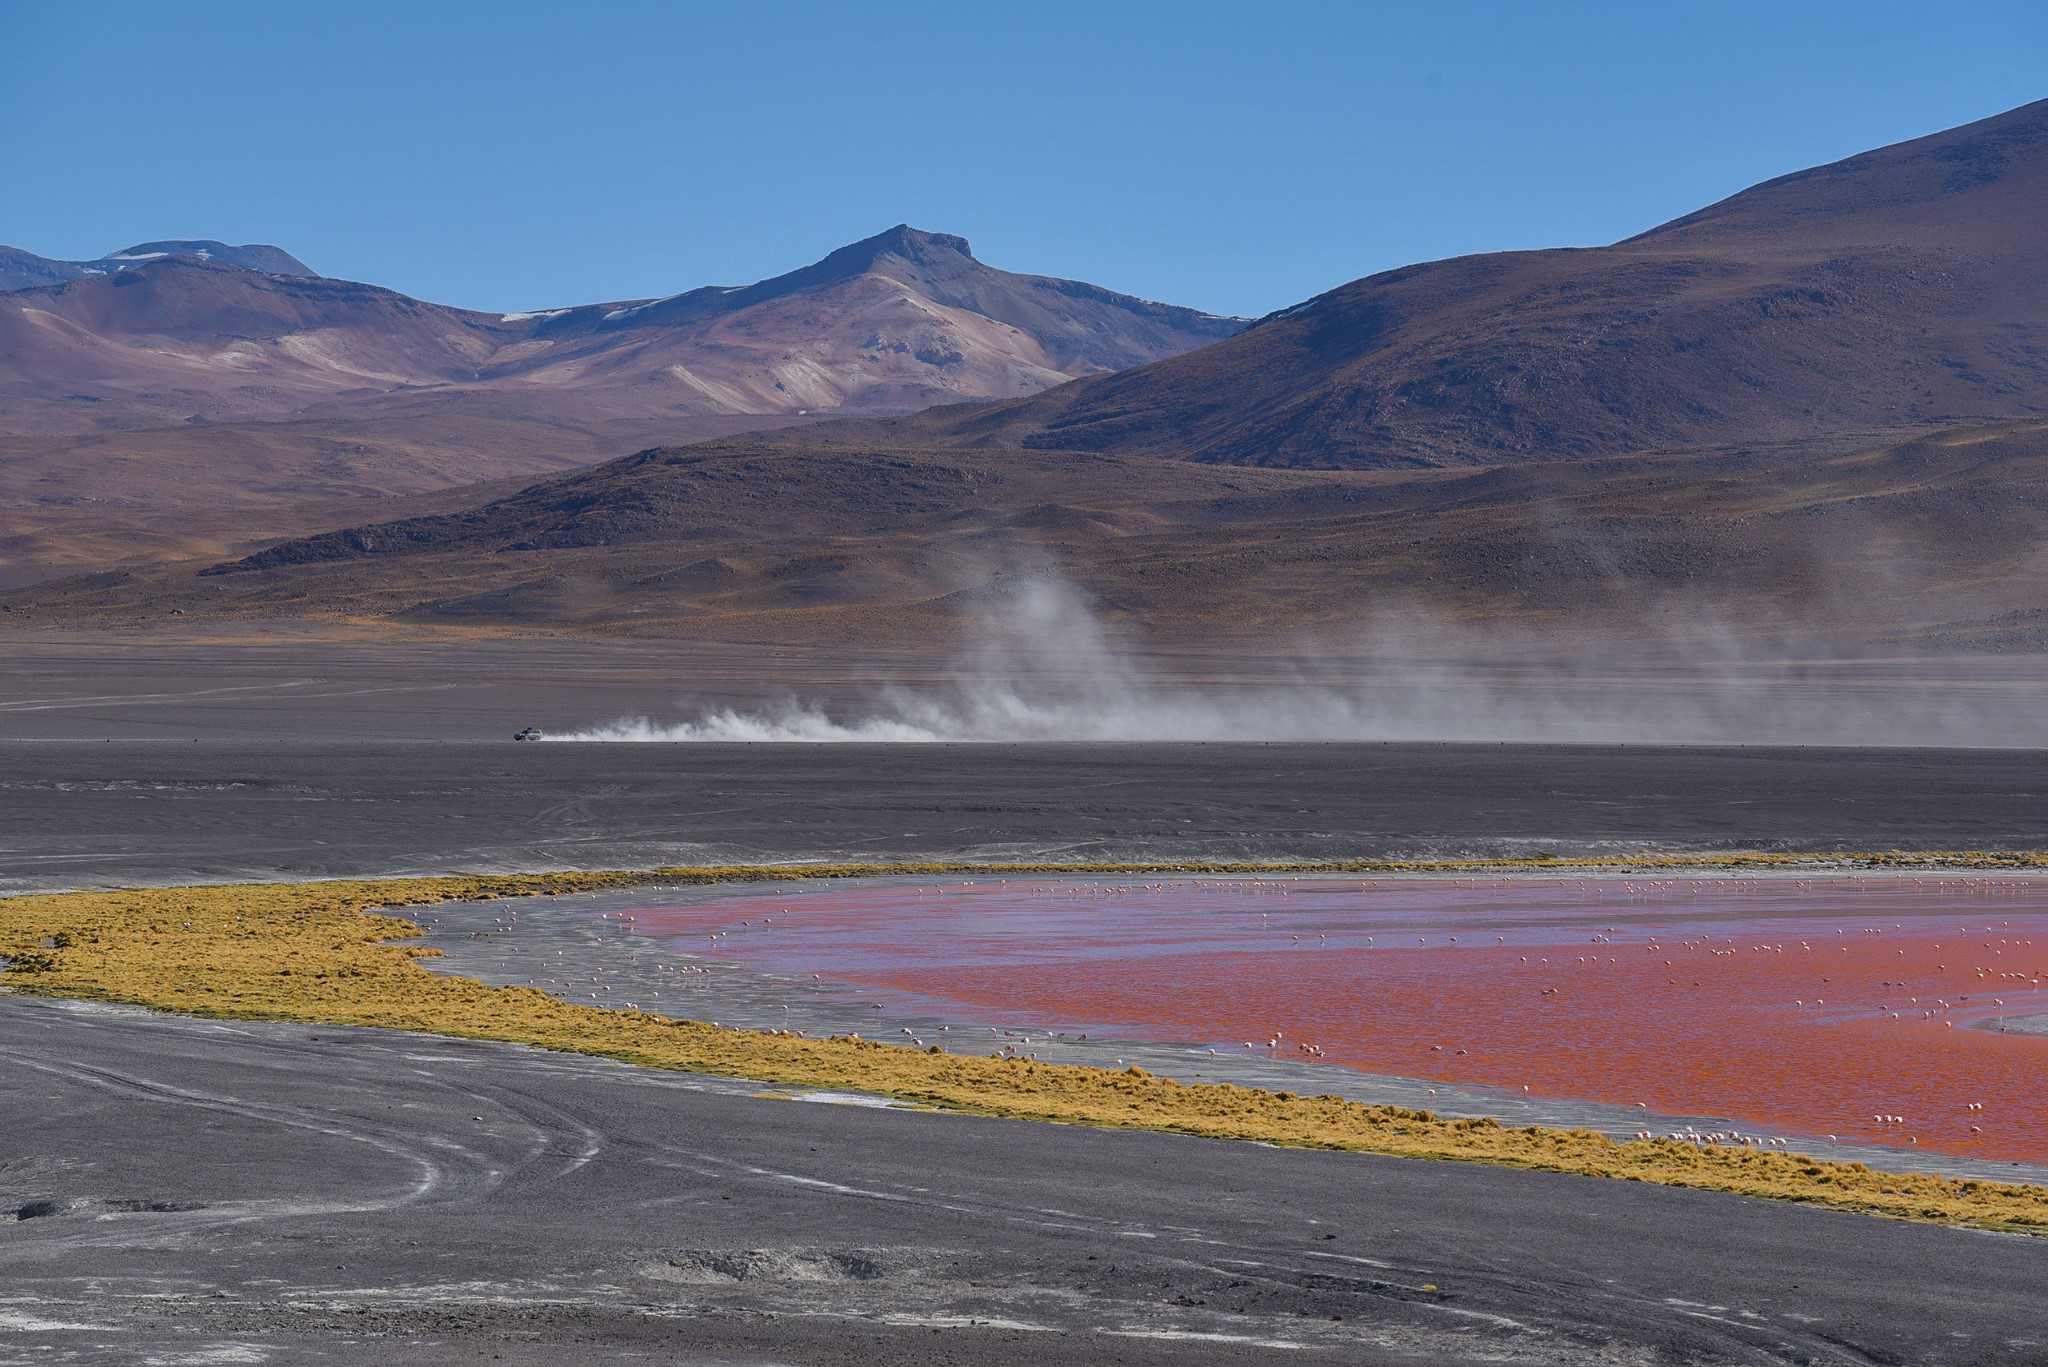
x=203, y=1192
x=125, y=813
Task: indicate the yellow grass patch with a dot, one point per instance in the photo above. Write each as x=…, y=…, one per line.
x=323, y=952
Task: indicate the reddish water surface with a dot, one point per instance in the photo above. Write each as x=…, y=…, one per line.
x=1808, y=1006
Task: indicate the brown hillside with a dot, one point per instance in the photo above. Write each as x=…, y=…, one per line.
x=1907, y=285
x=1816, y=407
x=144, y=402
x=1936, y=539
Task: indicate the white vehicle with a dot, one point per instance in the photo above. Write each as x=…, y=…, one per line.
x=530, y=733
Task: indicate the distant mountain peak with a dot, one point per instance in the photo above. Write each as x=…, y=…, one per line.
x=1903, y=286
x=913, y=244
x=903, y=242
x=250, y=256
x=20, y=270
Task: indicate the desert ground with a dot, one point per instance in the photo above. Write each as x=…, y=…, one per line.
x=166, y=762
x=188, y=1190
x=206, y=1192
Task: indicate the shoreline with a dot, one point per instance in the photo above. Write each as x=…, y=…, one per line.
x=473, y=943
x=1731, y=863
x=329, y=953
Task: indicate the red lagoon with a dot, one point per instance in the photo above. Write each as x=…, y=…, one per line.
x=1888, y=1010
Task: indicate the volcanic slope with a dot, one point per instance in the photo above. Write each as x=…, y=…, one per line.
x=174, y=402
x=896, y=322
x=1905, y=286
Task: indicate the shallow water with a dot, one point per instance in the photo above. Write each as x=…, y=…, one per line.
x=1808, y=1006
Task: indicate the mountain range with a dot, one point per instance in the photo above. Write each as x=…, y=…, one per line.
x=1905, y=286
x=210, y=379
x=1823, y=400
x=899, y=321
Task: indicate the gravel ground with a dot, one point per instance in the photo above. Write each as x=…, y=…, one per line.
x=201, y=1192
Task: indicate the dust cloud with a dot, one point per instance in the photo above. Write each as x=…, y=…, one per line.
x=1040, y=666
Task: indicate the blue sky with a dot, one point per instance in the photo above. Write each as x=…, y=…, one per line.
x=1233, y=157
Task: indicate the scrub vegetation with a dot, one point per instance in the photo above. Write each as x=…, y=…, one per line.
x=328, y=952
